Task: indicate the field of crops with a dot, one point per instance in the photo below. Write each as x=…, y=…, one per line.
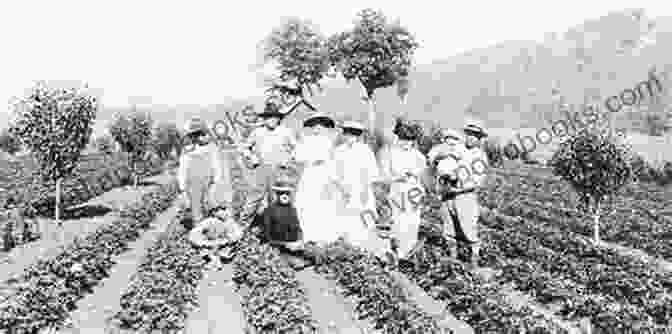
x=138, y=274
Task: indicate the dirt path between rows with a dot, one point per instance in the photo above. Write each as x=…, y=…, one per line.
x=220, y=309
x=18, y=259
x=92, y=311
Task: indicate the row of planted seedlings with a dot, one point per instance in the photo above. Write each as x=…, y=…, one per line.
x=163, y=291
x=49, y=289
x=273, y=299
x=522, y=261
x=380, y=298
x=472, y=299
x=601, y=271
x=630, y=226
x=656, y=196
x=18, y=225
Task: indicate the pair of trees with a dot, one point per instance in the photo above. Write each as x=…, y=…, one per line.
x=375, y=52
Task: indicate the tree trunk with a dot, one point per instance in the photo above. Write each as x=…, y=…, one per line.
x=58, y=202
x=372, y=114
x=596, y=225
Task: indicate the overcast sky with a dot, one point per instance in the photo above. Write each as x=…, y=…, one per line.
x=184, y=52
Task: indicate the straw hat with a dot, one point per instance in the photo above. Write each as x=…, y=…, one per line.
x=450, y=133
x=319, y=118
x=271, y=110
x=475, y=127
x=195, y=125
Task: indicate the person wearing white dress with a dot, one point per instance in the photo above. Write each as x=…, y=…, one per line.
x=317, y=193
x=402, y=166
x=357, y=169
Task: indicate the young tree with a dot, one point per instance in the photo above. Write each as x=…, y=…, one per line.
x=133, y=133
x=55, y=124
x=596, y=165
x=376, y=53
x=166, y=139
x=9, y=143
x=300, y=54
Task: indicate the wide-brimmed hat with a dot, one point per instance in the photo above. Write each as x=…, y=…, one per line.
x=475, y=127
x=319, y=118
x=353, y=127
x=450, y=133
x=195, y=125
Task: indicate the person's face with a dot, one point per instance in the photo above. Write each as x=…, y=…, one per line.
x=472, y=140
x=272, y=122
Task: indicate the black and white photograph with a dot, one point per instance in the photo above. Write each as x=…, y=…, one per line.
x=307, y=167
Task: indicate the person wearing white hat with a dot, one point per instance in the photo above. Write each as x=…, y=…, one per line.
x=269, y=147
x=402, y=166
x=461, y=210
x=317, y=192
x=198, y=168
x=357, y=169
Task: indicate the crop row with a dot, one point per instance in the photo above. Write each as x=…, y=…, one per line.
x=273, y=299
x=48, y=290
x=634, y=227
x=468, y=296
x=379, y=297
x=655, y=195
x=601, y=270
x=537, y=271
x=162, y=291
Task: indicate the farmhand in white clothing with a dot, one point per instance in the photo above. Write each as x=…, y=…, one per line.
x=357, y=169
x=199, y=167
x=402, y=166
x=318, y=192
x=270, y=148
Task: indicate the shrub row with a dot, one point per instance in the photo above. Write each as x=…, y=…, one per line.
x=380, y=297
x=49, y=289
x=163, y=290
x=273, y=299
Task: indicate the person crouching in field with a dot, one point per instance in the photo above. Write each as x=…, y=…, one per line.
x=461, y=176
x=216, y=237
x=198, y=169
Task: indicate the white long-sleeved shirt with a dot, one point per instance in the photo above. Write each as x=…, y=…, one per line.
x=357, y=169
x=199, y=165
x=272, y=146
x=396, y=162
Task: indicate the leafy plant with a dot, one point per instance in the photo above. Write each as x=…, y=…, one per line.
x=55, y=125
x=300, y=52
x=133, y=133
x=166, y=140
x=375, y=52
x=9, y=143
x=596, y=167
x=48, y=290
x=105, y=145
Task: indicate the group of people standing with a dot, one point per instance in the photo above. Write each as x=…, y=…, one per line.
x=331, y=195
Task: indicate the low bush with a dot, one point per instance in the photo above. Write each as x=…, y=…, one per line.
x=49, y=289
x=273, y=299
x=163, y=290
